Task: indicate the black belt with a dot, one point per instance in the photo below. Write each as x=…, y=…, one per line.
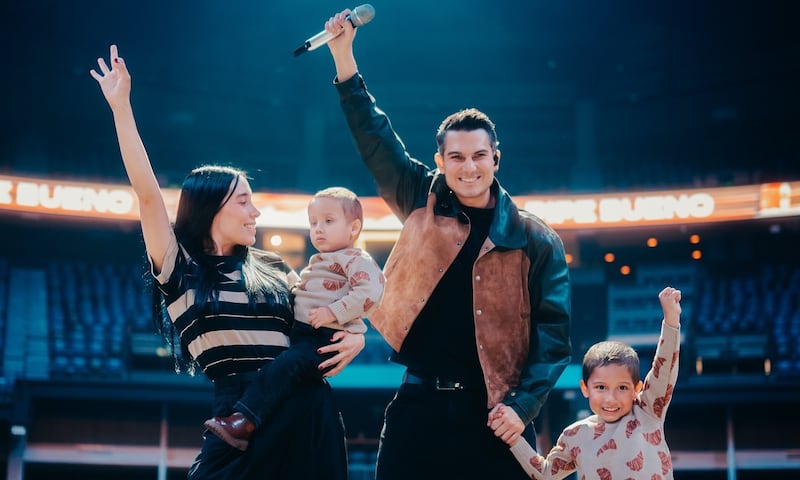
x=436, y=383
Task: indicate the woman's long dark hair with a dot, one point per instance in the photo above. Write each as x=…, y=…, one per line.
x=204, y=192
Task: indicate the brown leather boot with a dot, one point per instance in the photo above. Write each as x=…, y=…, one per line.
x=235, y=429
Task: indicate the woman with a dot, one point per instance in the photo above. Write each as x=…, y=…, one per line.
x=229, y=305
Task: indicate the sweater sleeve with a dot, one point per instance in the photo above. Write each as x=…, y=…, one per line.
x=558, y=464
x=660, y=380
x=366, y=282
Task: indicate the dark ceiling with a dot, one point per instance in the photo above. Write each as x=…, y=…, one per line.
x=586, y=95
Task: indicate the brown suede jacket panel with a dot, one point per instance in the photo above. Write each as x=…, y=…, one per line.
x=521, y=292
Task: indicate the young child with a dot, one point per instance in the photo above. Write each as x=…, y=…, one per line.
x=341, y=285
x=624, y=439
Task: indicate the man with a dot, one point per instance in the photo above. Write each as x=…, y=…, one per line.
x=477, y=298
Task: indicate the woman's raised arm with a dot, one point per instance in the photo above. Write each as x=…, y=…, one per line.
x=115, y=83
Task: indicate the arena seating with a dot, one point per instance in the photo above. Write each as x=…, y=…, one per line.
x=748, y=319
x=99, y=326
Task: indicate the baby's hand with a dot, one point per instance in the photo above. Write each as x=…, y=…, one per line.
x=319, y=317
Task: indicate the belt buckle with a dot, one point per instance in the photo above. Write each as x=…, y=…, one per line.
x=449, y=386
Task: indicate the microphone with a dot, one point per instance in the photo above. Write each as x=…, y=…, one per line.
x=361, y=15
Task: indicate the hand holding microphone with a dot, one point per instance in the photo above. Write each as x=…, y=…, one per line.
x=361, y=15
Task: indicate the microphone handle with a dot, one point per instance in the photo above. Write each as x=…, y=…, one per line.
x=314, y=42
x=318, y=40
x=301, y=49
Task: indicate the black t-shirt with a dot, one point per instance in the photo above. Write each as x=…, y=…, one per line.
x=442, y=340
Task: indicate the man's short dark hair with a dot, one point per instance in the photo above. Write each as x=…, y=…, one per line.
x=467, y=119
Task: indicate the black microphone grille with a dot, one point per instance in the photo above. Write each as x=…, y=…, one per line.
x=362, y=15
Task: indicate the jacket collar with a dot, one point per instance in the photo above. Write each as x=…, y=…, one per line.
x=506, y=230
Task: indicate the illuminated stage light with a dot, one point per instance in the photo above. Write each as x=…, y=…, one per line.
x=652, y=242
x=609, y=257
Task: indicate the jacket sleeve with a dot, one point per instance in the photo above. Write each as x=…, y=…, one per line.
x=401, y=180
x=550, y=347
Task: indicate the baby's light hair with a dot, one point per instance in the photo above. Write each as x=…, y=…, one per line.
x=348, y=200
